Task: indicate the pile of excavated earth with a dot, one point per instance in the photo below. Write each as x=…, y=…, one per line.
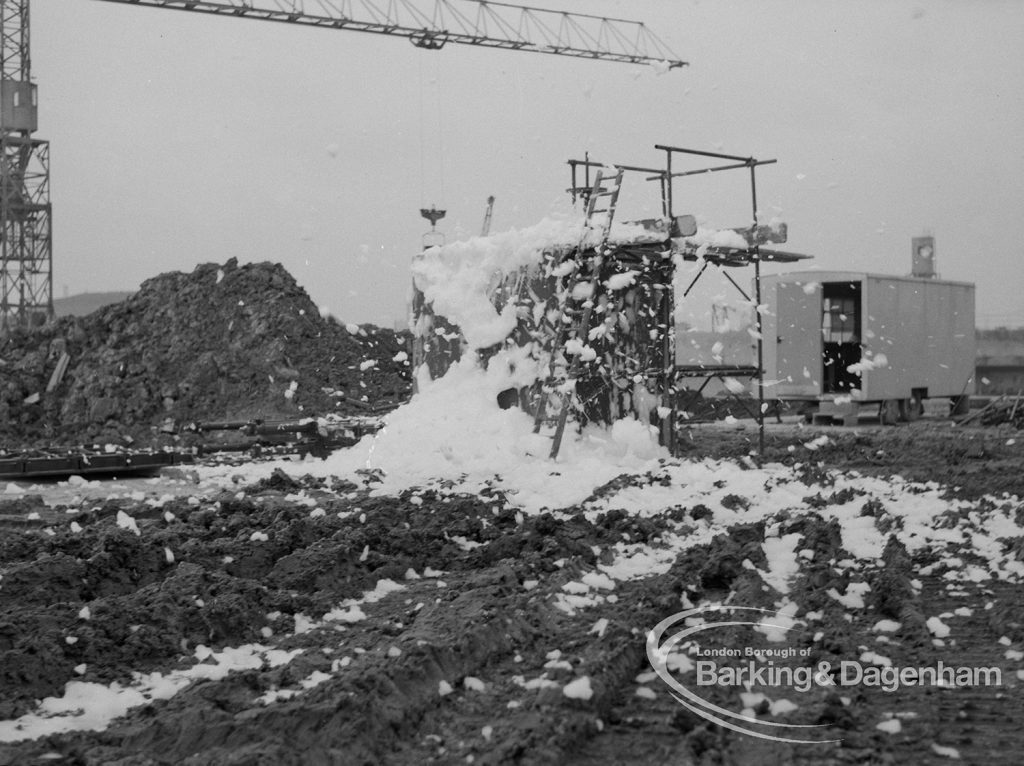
x=225, y=342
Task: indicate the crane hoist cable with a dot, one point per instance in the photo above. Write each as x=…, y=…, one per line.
x=439, y=106
x=432, y=175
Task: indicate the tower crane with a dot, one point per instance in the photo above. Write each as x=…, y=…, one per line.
x=26, y=286
x=26, y=291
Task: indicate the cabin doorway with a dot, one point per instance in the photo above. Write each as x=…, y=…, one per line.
x=841, y=336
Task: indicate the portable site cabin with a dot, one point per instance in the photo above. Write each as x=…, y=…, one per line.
x=841, y=340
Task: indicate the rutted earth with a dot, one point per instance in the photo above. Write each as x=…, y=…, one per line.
x=439, y=627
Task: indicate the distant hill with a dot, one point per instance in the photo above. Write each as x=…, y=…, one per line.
x=86, y=303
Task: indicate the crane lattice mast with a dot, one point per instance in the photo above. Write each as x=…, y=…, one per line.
x=26, y=287
x=434, y=23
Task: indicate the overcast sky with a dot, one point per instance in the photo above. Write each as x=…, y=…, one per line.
x=180, y=138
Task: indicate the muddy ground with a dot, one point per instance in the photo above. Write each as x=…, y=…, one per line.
x=468, y=661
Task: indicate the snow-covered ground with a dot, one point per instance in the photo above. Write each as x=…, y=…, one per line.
x=453, y=437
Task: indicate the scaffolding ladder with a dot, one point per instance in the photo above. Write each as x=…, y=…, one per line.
x=576, y=303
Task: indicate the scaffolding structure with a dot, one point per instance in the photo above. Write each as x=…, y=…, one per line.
x=675, y=380
x=598, y=316
x=26, y=252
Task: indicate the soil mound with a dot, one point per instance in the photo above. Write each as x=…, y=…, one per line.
x=223, y=342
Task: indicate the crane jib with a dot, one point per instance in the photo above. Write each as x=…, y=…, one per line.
x=432, y=24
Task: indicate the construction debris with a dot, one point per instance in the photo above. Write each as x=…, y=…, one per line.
x=35, y=464
x=1004, y=410
x=232, y=342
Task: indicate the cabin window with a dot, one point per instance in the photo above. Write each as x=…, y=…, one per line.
x=839, y=320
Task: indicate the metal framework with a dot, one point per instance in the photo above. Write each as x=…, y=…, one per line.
x=432, y=24
x=752, y=256
x=26, y=264
x=14, y=56
x=675, y=377
x=26, y=288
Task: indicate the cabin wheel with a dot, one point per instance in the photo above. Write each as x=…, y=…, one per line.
x=911, y=409
x=888, y=412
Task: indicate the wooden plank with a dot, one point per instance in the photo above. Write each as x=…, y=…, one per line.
x=58, y=372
